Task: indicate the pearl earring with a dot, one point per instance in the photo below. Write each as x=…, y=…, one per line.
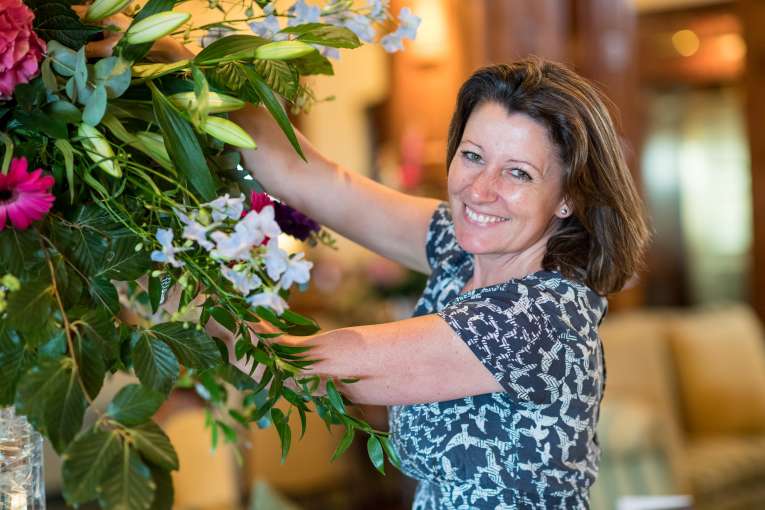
x=564, y=211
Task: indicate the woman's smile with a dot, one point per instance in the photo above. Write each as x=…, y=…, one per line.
x=482, y=219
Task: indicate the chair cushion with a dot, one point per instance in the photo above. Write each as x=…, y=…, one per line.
x=720, y=361
x=719, y=466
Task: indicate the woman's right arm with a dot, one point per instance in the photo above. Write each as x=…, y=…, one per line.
x=382, y=219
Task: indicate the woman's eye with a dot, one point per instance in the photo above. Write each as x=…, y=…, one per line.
x=520, y=174
x=471, y=156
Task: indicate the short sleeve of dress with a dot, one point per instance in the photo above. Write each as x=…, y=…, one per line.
x=441, y=239
x=514, y=339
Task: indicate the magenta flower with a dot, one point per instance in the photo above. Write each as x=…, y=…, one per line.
x=24, y=197
x=291, y=221
x=20, y=48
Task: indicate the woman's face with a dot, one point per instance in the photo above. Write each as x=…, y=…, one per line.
x=505, y=183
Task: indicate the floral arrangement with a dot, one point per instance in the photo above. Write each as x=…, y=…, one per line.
x=119, y=180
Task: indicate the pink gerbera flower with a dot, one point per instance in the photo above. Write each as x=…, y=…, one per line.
x=24, y=197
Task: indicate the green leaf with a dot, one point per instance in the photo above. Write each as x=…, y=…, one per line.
x=280, y=76
x=193, y=348
x=183, y=147
x=17, y=249
x=283, y=429
x=54, y=19
x=164, y=493
x=326, y=35
x=128, y=484
x=12, y=364
x=30, y=311
x=391, y=452
x=375, y=451
x=122, y=262
x=90, y=360
x=154, y=363
x=225, y=319
x=334, y=397
x=95, y=106
x=63, y=59
x=134, y=404
x=274, y=106
x=299, y=325
x=39, y=121
x=313, y=63
x=84, y=461
x=232, y=47
x=345, y=442
x=51, y=396
x=149, y=71
x=155, y=293
x=102, y=291
x=64, y=111
x=154, y=445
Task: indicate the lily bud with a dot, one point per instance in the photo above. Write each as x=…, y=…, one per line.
x=98, y=149
x=283, y=50
x=216, y=103
x=228, y=132
x=155, y=26
x=154, y=146
x=101, y=9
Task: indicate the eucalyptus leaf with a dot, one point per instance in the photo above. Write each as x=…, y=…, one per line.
x=95, y=106
x=64, y=111
x=64, y=59
x=134, y=404
x=84, y=461
x=81, y=77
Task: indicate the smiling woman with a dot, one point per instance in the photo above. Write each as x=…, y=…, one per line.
x=496, y=382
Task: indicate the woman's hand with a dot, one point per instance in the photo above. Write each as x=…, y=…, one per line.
x=165, y=49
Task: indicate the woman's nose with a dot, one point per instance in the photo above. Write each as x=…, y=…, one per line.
x=484, y=187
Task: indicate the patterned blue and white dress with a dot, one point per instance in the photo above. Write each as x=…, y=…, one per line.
x=532, y=446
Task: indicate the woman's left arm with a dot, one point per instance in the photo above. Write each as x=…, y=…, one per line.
x=405, y=362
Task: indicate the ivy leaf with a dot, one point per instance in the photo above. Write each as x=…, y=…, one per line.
x=183, y=147
x=90, y=361
x=51, y=396
x=84, y=461
x=326, y=35
x=375, y=451
x=54, y=19
x=128, y=484
x=193, y=348
x=154, y=363
x=134, y=404
x=154, y=445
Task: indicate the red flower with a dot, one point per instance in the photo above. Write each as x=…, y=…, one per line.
x=20, y=48
x=260, y=200
x=24, y=197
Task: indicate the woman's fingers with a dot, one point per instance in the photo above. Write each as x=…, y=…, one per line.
x=115, y=27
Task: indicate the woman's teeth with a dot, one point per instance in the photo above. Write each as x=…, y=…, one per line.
x=483, y=218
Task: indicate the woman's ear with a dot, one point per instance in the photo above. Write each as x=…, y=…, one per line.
x=564, y=210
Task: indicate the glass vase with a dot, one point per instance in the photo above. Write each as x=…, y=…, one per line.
x=22, y=486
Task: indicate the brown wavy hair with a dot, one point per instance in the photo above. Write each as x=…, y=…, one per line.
x=602, y=243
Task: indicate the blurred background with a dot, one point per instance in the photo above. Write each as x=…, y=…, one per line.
x=684, y=412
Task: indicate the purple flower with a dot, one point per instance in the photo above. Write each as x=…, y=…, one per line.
x=294, y=223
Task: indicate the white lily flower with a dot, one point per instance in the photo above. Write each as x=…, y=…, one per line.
x=303, y=13
x=298, y=271
x=226, y=207
x=167, y=254
x=276, y=260
x=244, y=281
x=269, y=299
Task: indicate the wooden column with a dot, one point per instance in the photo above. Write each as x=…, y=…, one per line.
x=752, y=14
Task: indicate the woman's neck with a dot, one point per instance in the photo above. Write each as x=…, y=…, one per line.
x=491, y=269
